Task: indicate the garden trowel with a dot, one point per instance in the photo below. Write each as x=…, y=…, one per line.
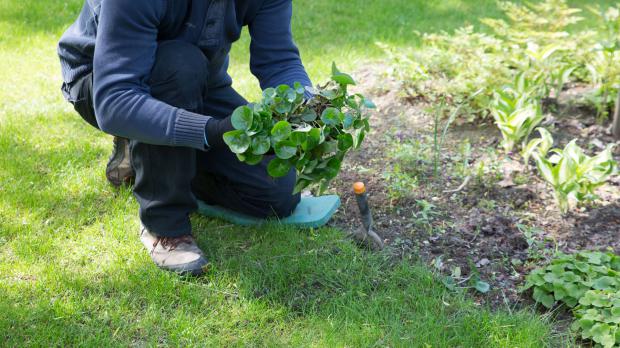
x=365, y=233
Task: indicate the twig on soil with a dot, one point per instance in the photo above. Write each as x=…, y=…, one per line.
x=460, y=188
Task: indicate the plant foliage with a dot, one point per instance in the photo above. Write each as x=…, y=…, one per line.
x=310, y=135
x=516, y=112
x=588, y=282
x=573, y=175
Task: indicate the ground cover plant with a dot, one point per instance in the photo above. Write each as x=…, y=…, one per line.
x=72, y=271
x=311, y=134
x=589, y=282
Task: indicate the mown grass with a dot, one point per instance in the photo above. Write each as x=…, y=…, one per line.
x=72, y=271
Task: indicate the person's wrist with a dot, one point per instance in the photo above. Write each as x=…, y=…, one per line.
x=214, y=132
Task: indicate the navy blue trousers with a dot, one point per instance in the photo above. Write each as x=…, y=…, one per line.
x=169, y=179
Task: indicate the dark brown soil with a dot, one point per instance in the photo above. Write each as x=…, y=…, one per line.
x=479, y=229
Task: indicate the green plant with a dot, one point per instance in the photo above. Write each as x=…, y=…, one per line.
x=573, y=175
x=603, y=61
x=598, y=317
x=543, y=22
x=312, y=136
x=536, y=248
x=589, y=282
x=400, y=184
x=516, y=112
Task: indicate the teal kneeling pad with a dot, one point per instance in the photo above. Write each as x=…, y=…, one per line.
x=310, y=212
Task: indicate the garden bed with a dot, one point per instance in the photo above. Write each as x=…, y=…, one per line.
x=498, y=226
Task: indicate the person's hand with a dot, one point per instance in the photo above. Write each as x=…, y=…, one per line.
x=214, y=132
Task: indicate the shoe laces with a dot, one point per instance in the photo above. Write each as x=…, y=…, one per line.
x=172, y=243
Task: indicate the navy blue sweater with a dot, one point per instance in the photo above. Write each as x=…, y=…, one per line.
x=117, y=41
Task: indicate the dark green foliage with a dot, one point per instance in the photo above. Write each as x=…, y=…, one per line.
x=312, y=136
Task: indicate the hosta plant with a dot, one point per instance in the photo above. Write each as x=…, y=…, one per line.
x=573, y=175
x=589, y=283
x=311, y=135
x=516, y=112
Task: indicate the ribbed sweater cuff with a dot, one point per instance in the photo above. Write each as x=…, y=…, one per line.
x=189, y=129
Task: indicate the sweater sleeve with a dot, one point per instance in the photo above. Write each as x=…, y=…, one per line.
x=124, y=57
x=274, y=58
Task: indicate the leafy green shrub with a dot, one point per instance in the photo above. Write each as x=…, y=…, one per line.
x=603, y=62
x=534, y=40
x=573, y=175
x=444, y=70
x=516, y=112
x=589, y=282
x=544, y=23
x=312, y=136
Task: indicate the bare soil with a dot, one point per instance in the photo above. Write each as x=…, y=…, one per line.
x=479, y=228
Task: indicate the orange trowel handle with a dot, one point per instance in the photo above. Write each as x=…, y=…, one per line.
x=362, y=203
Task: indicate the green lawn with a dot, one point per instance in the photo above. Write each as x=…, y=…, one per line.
x=72, y=271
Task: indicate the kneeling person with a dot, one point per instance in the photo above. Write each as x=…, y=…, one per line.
x=154, y=75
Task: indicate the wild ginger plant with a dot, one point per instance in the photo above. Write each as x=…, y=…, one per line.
x=573, y=175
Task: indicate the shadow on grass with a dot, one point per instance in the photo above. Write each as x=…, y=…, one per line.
x=274, y=286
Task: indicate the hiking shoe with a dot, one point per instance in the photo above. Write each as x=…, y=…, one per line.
x=176, y=254
x=119, y=171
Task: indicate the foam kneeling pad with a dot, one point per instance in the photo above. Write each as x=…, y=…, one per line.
x=310, y=212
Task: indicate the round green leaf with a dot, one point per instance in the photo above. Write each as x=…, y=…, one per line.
x=278, y=167
x=260, y=145
x=242, y=118
x=237, y=141
x=299, y=88
x=348, y=121
x=308, y=115
x=285, y=149
x=299, y=137
x=281, y=131
x=252, y=159
x=313, y=140
x=330, y=117
x=282, y=106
